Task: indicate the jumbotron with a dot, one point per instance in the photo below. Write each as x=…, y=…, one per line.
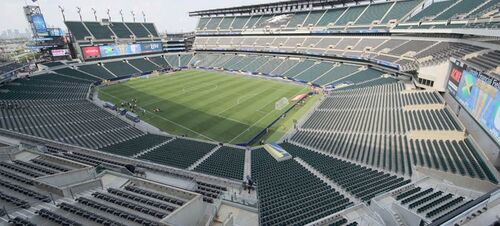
x=317, y=112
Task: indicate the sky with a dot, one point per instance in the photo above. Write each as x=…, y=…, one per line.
x=167, y=15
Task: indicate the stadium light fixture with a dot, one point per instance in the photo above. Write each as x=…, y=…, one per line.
x=95, y=13
x=79, y=11
x=109, y=16
x=133, y=15
x=62, y=12
x=121, y=14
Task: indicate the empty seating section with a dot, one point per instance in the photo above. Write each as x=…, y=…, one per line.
x=76, y=74
x=54, y=107
x=99, y=31
x=209, y=191
x=336, y=74
x=136, y=145
x=459, y=157
x=151, y=28
x=362, y=182
x=202, y=23
x=171, y=201
x=184, y=60
x=143, y=65
x=297, y=19
x=173, y=60
x=300, y=67
x=120, y=68
x=129, y=204
x=313, y=18
x=463, y=7
x=96, y=70
x=351, y=15
x=59, y=219
x=138, y=29
x=239, y=22
x=179, y=153
x=226, y=23
x=213, y=23
x=43, y=87
x=315, y=71
x=289, y=194
x=20, y=221
x=160, y=61
x=414, y=46
x=389, y=152
x=307, y=70
x=399, y=10
x=487, y=61
x=89, y=159
x=375, y=12
x=397, y=50
x=120, y=30
x=432, y=10
x=225, y=162
x=429, y=202
x=330, y=17
x=90, y=214
x=77, y=29
x=373, y=126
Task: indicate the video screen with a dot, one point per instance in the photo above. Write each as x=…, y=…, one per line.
x=39, y=23
x=481, y=98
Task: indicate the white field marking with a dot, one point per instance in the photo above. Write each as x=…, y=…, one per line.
x=238, y=101
x=251, y=126
x=168, y=120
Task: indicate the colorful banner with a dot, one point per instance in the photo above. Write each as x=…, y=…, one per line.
x=91, y=52
x=481, y=98
x=59, y=52
x=39, y=23
x=109, y=51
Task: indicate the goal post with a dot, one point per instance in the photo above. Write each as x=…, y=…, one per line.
x=280, y=104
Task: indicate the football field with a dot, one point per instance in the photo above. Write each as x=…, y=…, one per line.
x=208, y=105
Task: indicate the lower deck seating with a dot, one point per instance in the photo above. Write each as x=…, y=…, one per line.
x=96, y=70
x=120, y=68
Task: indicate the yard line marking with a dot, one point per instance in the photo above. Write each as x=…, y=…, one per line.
x=161, y=117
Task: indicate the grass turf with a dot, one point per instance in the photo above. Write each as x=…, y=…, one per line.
x=207, y=105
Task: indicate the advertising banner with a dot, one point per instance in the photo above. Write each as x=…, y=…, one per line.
x=151, y=47
x=91, y=52
x=59, y=52
x=109, y=51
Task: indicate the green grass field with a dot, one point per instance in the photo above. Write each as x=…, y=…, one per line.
x=208, y=105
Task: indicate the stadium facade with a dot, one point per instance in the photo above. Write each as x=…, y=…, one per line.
x=406, y=131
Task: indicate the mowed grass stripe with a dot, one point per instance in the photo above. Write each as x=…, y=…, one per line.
x=217, y=105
